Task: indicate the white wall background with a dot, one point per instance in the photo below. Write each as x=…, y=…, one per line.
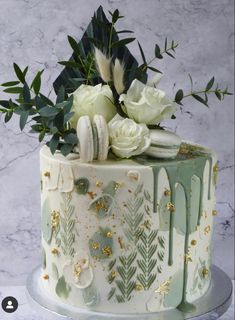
x=34, y=32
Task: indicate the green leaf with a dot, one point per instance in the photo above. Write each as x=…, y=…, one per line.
x=74, y=45
x=115, y=16
x=158, y=52
x=142, y=53
x=66, y=149
x=218, y=95
x=54, y=142
x=191, y=81
x=41, y=136
x=20, y=75
x=200, y=99
x=71, y=138
x=25, y=71
x=8, y=116
x=165, y=44
x=39, y=103
x=23, y=119
x=48, y=112
x=122, y=42
x=61, y=95
x=170, y=54
x=210, y=84
x=46, y=100
x=179, y=95
x=10, y=84
x=59, y=120
x=154, y=69
x=36, y=84
x=26, y=93
x=14, y=90
x=125, y=31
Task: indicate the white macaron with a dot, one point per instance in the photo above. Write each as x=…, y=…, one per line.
x=93, y=138
x=164, y=144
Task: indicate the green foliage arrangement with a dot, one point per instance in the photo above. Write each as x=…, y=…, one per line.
x=52, y=119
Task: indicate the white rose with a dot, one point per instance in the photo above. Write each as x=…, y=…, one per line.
x=128, y=138
x=91, y=100
x=146, y=104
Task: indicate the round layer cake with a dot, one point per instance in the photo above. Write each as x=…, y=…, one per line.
x=128, y=236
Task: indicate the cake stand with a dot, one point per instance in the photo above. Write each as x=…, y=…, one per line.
x=211, y=306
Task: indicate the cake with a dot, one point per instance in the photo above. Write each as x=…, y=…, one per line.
x=130, y=232
x=127, y=206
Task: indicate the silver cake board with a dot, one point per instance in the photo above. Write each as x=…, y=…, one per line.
x=211, y=306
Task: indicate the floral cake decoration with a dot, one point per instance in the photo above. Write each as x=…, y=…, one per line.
x=105, y=100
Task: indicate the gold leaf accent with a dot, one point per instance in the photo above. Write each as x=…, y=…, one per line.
x=46, y=277
x=55, y=219
x=205, y=272
x=216, y=168
x=214, y=212
x=107, y=251
x=188, y=258
x=101, y=205
x=55, y=251
x=164, y=287
x=77, y=270
x=99, y=184
x=194, y=242
x=109, y=234
x=170, y=207
x=95, y=245
x=47, y=174
x=138, y=287
x=207, y=230
x=167, y=193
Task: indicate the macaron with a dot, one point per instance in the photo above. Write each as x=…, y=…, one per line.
x=164, y=144
x=93, y=138
x=101, y=128
x=85, y=138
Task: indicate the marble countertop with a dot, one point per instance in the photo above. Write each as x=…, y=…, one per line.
x=25, y=312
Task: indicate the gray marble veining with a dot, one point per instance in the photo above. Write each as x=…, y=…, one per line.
x=34, y=33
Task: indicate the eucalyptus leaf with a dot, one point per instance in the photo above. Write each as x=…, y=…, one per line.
x=10, y=84
x=53, y=144
x=66, y=149
x=46, y=100
x=48, y=112
x=142, y=54
x=26, y=93
x=210, y=84
x=36, y=84
x=23, y=119
x=179, y=95
x=60, y=95
x=218, y=95
x=20, y=75
x=14, y=90
x=158, y=52
x=200, y=99
x=71, y=138
x=8, y=116
x=122, y=42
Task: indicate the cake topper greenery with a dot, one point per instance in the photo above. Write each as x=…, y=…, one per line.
x=101, y=78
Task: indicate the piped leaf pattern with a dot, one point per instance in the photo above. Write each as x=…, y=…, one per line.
x=66, y=234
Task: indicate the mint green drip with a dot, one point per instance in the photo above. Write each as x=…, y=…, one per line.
x=155, y=188
x=181, y=171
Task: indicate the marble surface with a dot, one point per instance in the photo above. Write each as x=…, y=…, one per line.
x=25, y=311
x=33, y=32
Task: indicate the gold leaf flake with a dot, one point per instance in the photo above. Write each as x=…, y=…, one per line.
x=109, y=234
x=47, y=174
x=95, y=245
x=170, y=207
x=214, y=212
x=55, y=219
x=46, y=277
x=205, y=272
x=107, y=251
x=55, y=251
x=188, y=258
x=194, y=242
x=138, y=287
x=164, y=287
x=207, y=230
x=167, y=193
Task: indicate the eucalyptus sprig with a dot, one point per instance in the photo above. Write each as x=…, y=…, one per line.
x=32, y=106
x=202, y=95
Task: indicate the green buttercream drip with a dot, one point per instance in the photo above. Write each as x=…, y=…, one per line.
x=181, y=170
x=155, y=186
x=171, y=230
